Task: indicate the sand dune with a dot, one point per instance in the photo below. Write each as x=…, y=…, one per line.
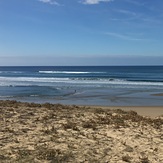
x=58, y=133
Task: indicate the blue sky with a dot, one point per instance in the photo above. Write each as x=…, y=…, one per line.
x=81, y=32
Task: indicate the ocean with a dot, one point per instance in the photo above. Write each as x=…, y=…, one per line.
x=84, y=85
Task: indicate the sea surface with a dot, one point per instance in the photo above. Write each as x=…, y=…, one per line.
x=84, y=85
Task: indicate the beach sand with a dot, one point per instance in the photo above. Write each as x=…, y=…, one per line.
x=150, y=111
x=51, y=133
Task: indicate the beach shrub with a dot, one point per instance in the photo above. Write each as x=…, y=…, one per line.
x=126, y=158
x=104, y=120
x=34, y=105
x=70, y=125
x=100, y=111
x=52, y=155
x=120, y=111
x=47, y=105
x=90, y=124
x=145, y=160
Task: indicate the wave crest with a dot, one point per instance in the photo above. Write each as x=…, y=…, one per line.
x=68, y=72
x=9, y=81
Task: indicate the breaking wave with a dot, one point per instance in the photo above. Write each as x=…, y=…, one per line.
x=68, y=72
x=8, y=81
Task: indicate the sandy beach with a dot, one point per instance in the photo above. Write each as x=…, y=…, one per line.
x=51, y=133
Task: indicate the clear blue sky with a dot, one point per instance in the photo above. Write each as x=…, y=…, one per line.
x=81, y=32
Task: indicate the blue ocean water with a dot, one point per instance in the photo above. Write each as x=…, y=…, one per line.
x=84, y=85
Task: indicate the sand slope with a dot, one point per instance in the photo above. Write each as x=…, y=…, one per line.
x=57, y=133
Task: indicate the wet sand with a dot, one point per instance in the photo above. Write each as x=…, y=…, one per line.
x=158, y=94
x=51, y=133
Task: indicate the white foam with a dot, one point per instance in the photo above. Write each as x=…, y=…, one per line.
x=13, y=72
x=7, y=81
x=14, y=81
x=5, y=96
x=67, y=72
x=34, y=95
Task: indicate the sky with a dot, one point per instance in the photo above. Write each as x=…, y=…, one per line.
x=81, y=32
